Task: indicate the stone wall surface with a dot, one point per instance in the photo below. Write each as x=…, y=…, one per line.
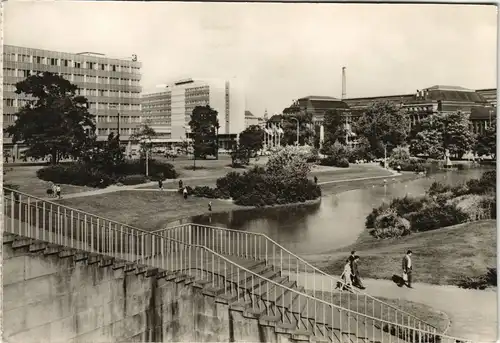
x=49, y=298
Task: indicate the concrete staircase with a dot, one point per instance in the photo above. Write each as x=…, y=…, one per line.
x=260, y=290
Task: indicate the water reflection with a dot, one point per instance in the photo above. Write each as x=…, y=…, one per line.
x=335, y=222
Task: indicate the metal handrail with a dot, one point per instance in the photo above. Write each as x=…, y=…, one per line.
x=153, y=236
x=298, y=258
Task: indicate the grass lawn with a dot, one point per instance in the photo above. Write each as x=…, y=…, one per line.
x=426, y=313
x=147, y=210
x=28, y=182
x=439, y=256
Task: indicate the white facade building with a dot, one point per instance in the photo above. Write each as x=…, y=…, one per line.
x=169, y=111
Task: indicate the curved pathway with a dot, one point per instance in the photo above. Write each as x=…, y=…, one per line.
x=473, y=313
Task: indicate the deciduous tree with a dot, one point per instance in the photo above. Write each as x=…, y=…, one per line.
x=204, y=130
x=288, y=163
x=252, y=139
x=55, y=122
x=442, y=131
x=383, y=124
x=486, y=144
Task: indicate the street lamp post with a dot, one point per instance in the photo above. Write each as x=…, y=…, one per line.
x=147, y=155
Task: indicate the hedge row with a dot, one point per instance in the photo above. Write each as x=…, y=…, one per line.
x=128, y=173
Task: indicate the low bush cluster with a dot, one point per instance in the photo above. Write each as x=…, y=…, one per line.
x=334, y=161
x=442, y=206
x=75, y=174
x=256, y=187
x=479, y=282
x=127, y=173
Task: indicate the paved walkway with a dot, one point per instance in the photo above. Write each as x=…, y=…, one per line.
x=143, y=186
x=473, y=313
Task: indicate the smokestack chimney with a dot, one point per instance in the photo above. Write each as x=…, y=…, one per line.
x=343, y=84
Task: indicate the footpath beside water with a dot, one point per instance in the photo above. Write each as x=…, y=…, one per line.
x=473, y=313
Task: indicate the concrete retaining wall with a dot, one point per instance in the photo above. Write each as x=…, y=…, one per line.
x=48, y=298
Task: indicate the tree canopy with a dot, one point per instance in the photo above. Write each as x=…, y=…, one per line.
x=383, y=124
x=55, y=121
x=252, y=139
x=204, y=130
x=486, y=144
x=289, y=126
x=335, y=128
x=144, y=136
x=442, y=131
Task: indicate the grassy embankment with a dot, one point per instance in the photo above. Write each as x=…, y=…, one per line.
x=439, y=257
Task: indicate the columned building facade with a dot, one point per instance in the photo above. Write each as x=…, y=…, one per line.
x=111, y=85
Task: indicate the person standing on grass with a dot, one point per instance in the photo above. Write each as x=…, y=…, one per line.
x=209, y=206
x=355, y=272
x=58, y=191
x=185, y=193
x=160, y=184
x=407, y=268
x=180, y=184
x=315, y=179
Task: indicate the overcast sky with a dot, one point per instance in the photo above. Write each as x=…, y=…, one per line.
x=280, y=51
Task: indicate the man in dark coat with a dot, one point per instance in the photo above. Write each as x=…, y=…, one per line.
x=407, y=268
x=355, y=272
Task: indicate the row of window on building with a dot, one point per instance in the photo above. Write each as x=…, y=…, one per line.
x=165, y=104
x=75, y=77
x=89, y=92
x=8, y=102
x=61, y=62
x=102, y=131
x=114, y=119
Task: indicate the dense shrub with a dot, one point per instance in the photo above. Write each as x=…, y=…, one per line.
x=133, y=179
x=75, y=174
x=370, y=219
x=388, y=224
x=332, y=161
x=84, y=174
x=407, y=204
x=156, y=168
x=473, y=205
x=436, y=216
x=208, y=192
x=438, y=187
x=479, y=282
x=256, y=188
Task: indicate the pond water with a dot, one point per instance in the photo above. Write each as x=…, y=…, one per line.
x=335, y=222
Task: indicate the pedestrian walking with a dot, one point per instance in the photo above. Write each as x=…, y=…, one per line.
x=58, y=191
x=352, y=257
x=160, y=184
x=185, y=193
x=6, y=158
x=180, y=184
x=407, y=268
x=315, y=179
x=347, y=276
x=357, y=282
x=209, y=206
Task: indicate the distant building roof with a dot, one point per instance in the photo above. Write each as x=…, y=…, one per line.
x=450, y=88
x=249, y=114
x=320, y=97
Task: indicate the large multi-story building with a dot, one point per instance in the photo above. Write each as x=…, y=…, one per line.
x=439, y=99
x=111, y=85
x=169, y=111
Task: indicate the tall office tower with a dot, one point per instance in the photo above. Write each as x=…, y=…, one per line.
x=111, y=85
x=169, y=111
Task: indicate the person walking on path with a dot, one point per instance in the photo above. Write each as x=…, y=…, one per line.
x=185, y=193
x=407, y=268
x=180, y=184
x=160, y=184
x=352, y=257
x=355, y=272
x=347, y=276
x=209, y=206
x=58, y=191
x=315, y=179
